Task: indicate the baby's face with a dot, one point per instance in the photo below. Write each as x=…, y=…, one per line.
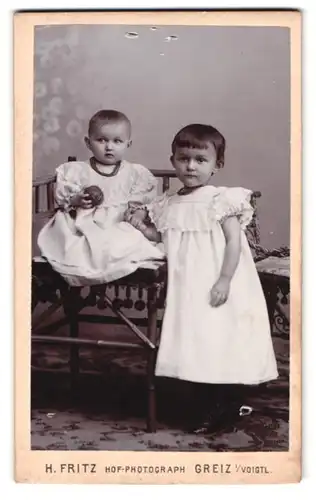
x=195, y=166
x=108, y=142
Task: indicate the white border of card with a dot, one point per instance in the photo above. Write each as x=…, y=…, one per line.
x=30, y=466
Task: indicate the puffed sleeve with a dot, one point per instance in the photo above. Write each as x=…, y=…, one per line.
x=144, y=188
x=71, y=179
x=234, y=202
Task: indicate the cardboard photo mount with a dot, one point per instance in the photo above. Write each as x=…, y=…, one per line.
x=127, y=466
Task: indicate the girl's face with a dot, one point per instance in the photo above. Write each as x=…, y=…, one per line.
x=108, y=142
x=194, y=167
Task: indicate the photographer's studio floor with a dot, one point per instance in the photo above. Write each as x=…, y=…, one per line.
x=110, y=413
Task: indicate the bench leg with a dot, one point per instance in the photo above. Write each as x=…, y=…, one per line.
x=74, y=354
x=72, y=311
x=151, y=360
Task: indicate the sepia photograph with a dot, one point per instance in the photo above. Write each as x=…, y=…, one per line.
x=161, y=242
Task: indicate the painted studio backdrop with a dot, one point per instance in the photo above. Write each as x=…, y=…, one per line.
x=234, y=78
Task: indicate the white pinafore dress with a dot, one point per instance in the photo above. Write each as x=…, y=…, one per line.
x=96, y=246
x=200, y=343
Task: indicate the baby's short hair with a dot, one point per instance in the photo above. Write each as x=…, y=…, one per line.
x=199, y=136
x=108, y=116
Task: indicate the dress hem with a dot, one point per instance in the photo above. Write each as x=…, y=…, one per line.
x=219, y=381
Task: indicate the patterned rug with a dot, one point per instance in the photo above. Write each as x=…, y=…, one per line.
x=110, y=411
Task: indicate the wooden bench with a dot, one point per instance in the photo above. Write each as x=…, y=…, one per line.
x=149, y=286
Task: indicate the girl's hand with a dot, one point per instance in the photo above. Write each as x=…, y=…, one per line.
x=220, y=292
x=135, y=217
x=81, y=200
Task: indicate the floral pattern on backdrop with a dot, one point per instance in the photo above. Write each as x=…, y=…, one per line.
x=61, y=109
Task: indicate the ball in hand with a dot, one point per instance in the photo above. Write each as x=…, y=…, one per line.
x=95, y=193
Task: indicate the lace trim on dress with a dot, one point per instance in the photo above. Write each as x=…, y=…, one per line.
x=167, y=213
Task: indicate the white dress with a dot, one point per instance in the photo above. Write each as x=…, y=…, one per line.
x=200, y=343
x=96, y=246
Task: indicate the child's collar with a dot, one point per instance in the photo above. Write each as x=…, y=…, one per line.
x=115, y=170
x=187, y=190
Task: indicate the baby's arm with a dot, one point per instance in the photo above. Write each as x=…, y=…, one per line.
x=232, y=233
x=71, y=179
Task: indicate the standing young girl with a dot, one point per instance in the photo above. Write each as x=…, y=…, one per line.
x=215, y=330
x=87, y=241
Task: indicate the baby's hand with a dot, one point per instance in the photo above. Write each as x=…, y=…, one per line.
x=220, y=292
x=81, y=200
